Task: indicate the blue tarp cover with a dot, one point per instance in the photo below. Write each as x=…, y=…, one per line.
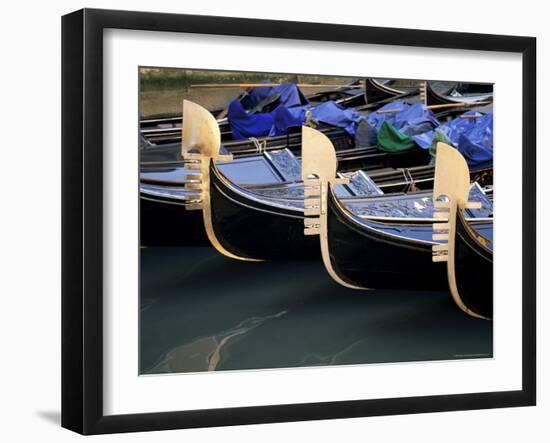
x=409, y=119
x=330, y=113
x=476, y=144
x=284, y=119
x=378, y=117
x=245, y=125
x=473, y=137
x=289, y=95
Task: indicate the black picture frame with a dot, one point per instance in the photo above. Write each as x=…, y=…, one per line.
x=82, y=219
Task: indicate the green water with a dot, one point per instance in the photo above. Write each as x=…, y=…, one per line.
x=201, y=311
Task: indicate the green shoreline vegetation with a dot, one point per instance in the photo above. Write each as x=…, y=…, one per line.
x=175, y=78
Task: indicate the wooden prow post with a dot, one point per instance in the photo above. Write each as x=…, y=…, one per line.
x=200, y=147
x=450, y=194
x=200, y=144
x=423, y=90
x=319, y=166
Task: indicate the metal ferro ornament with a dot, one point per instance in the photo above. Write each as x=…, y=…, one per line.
x=450, y=194
x=319, y=165
x=200, y=146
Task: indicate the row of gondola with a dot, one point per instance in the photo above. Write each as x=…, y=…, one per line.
x=312, y=193
x=368, y=96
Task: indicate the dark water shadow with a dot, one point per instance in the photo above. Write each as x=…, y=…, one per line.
x=201, y=311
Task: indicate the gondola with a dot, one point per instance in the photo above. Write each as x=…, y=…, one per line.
x=156, y=126
x=381, y=91
x=467, y=253
x=165, y=154
x=163, y=196
x=272, y=174
x=369, y=157
x=365, y=94
x=347, y=94
x=227, y=222
x=383, y=243
x=431, y=93
x=244, y=224
x=238, y=222
x=459, y=94
x=346, y=145
x=167, y=130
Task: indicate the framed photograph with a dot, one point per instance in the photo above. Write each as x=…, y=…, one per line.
x=270, y=221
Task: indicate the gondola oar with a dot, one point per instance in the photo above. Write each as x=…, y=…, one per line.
x=442, y=106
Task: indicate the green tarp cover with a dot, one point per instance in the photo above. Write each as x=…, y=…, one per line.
x=393, y=140
x=439, y=136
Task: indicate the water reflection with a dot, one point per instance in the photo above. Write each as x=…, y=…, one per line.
x=201, y=311
x=204, y=354
x=169, y=101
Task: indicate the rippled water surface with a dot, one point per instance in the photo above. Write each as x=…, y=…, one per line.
x=169, y=101
x=201, y=311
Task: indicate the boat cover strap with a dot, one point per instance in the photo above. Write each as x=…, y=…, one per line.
x=258, y=144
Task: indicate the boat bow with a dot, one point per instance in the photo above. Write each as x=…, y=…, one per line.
x=200, y=147
x=319, y=167
x=450, y=199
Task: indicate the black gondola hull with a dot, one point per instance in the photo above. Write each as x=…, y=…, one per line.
x=473, y=270
x=254, y=230
x=435, y=98
x=167, y=223
x=376, y=91
x=371, y=259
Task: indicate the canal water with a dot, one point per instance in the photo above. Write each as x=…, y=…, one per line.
x=170, y=101
x=201, y=311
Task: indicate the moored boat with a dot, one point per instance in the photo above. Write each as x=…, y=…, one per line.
x=247, y=223
x=467, y=253
x=272, y=177
x=465, y=94
x=381, y=91
x=383, y=242
x=163, y=130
